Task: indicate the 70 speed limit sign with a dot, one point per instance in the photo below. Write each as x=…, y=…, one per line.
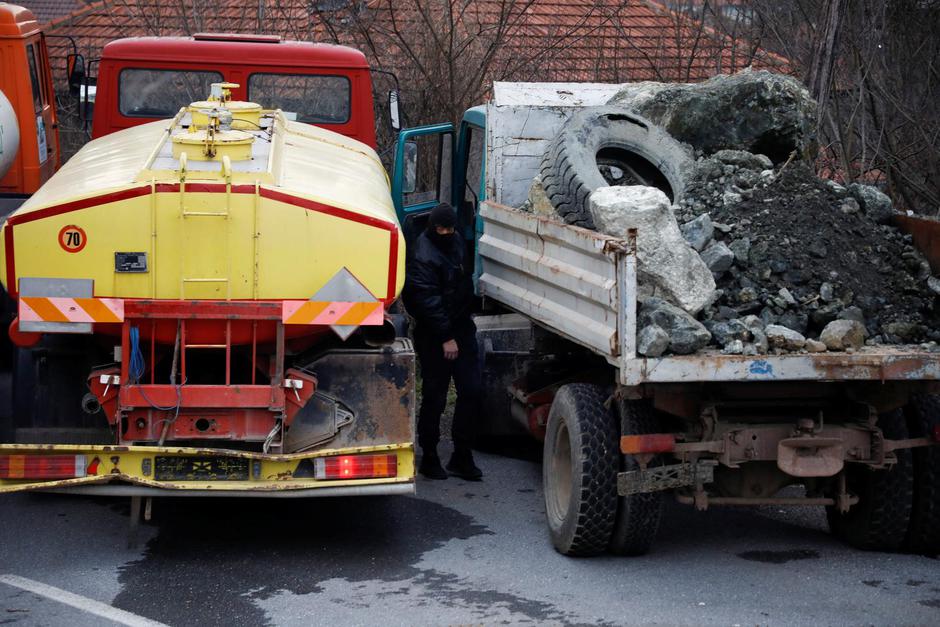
x=72, y=238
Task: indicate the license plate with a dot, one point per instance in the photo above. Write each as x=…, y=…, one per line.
x=200, y=469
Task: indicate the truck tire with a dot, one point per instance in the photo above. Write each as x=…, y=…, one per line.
x=638, y=515
x=923, y=534
x=596, y=143
x=879, y=521
x=579, y=470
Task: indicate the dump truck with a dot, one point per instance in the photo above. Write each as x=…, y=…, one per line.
x=857, y=430
x=202, y=310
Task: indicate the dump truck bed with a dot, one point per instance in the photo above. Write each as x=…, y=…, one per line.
x=582, y=285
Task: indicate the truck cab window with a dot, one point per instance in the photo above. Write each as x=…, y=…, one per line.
x=307, y=98
x=161, y=93
x=432, y=178
x=38, y=96
x=473, y=181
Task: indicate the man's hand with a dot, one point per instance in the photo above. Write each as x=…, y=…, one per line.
x=450, y=350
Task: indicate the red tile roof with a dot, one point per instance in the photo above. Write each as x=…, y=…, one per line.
x=550, y=40
x=48, y=10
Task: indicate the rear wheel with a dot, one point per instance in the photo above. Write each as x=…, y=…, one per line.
x=638, y=515
x=880, y=519
x=923, y=534
x=579, y=470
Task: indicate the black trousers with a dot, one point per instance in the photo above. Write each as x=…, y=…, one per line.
x=436, y=373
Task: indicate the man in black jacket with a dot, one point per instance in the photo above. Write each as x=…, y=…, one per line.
x=439, y=295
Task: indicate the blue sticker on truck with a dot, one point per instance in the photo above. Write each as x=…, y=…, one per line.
x=762, y=367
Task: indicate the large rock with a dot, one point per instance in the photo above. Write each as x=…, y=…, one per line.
x=718, y=257
x=842, y=334
x=667, y=267
x=698, y=232
x=686, y=334
x=538, y=201
x=652, y=341
x=873, y=201
x=784, y=338
x=759, y=112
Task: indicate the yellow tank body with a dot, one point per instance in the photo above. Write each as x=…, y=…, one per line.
x=279, y=225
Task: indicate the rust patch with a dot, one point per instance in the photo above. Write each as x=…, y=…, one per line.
x=926, y=234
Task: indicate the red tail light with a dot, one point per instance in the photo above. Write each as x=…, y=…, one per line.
x=356, y=467
x=42, y=466
x=652, y=443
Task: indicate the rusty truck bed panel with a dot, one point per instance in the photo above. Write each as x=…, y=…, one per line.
x=131, y=470
x=881, y=363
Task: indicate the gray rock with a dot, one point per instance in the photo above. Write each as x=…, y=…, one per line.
x=652, y=341
x=740, y=248
x=814, y=346
x=686, y=334
x=728, y=331
x=721, y=227
x=737, y=112
x=849, y=206
x=756, y=327
x=933, y=283
x=873, y=201
x=826, y=292
x=796, y=320
x=852, y=313
x=699, y=232
x=731, y=198
x=842, y=334
x=538, y=201
x=838, y=189
x=787, y=296
x=734, y=347
x=744, y=159
x=784, y=338
x=718, y=257
x=666, y=266
x=747, y=295
x=904, y=332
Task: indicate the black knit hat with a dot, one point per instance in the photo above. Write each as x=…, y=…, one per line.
x=443, y=215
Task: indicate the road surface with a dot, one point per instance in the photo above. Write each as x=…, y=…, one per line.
x=458, y=553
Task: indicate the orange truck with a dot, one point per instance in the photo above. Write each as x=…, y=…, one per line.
x=29, y=133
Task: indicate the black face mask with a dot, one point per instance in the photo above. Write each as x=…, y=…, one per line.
x=444, y=242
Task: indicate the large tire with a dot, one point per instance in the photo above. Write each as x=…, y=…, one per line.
x=923, y=534
x=638, y=515
x=579, y=470
x=879, y=521
x=597, y=138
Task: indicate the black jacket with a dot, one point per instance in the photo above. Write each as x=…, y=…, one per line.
x=439, y=288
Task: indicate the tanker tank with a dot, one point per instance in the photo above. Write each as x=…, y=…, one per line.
x=243, y=209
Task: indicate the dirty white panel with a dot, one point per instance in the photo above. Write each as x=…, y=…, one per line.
x=553, y=94
x=517, y=138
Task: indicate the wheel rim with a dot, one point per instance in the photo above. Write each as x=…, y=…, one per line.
x=559, y=496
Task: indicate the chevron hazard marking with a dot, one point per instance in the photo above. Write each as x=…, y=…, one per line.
x=59, y=309
x=329, y=313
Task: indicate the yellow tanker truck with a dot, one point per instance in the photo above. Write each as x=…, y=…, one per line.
x=209, y=294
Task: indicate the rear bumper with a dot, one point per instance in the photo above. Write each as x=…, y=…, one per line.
x=131, y=470
x=386, y=489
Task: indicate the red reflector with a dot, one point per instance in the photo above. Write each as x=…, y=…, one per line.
x=652, y=443
x=356, y=467
x=42, y=466
x=936, y=433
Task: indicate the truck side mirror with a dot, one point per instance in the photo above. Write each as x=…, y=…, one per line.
x=75, y=63
x=394, y=115
x=410, y=182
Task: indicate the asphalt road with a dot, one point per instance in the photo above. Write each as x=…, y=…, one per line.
x=458, y=553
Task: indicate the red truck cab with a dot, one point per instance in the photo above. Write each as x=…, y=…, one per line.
x=144, y=79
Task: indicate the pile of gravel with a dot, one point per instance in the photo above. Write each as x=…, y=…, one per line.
x=801, y=264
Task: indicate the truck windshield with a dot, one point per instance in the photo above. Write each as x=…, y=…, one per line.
x=312, y=99
x=161, y=93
